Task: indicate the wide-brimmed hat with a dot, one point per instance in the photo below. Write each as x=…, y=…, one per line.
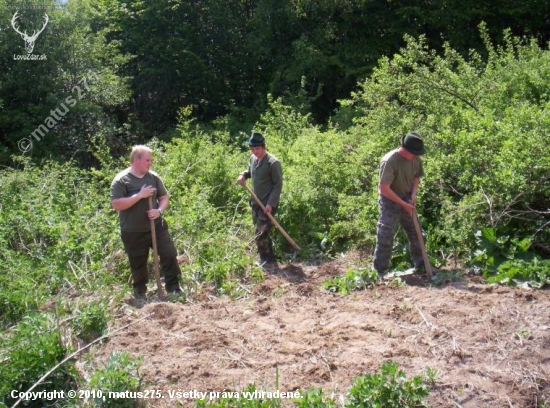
x=256, y=139
x=413, y=143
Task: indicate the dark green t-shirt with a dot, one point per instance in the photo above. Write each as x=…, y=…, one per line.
x=125, y=184
x=399, y=172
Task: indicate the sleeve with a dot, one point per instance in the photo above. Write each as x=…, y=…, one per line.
x=118, y=189
x=277, y=179
x=161, y=188
x=387, y=173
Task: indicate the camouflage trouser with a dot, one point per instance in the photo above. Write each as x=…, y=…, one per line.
x=263, y=228
x=392, y=214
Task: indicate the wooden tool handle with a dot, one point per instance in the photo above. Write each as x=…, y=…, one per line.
x=273, y=220
x=422, y=246
x=155, y=253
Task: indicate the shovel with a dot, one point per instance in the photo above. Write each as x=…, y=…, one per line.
x=273, y=220
x=422, y=246
x=155, y=254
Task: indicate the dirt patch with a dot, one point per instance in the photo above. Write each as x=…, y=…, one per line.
x=490, y=344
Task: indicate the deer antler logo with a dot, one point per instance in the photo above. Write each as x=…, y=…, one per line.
x=29, y=40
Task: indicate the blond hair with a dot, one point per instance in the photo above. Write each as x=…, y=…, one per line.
x=138, y=151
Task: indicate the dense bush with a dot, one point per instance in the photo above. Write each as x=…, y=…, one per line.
x=34, y=347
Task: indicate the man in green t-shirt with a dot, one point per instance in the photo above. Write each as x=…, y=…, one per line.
x=267, y=182
x=400, y=173
x=130, y=191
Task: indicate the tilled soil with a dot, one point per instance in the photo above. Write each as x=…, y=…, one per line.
x=489, y=344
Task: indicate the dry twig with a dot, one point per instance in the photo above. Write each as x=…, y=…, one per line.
x=431, y=326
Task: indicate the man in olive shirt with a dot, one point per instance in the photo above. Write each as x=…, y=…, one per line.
x=267, y=182
x=130, y=191
x=400, y=173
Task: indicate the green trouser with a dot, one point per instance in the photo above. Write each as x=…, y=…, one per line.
x=137, y=246
x=263, y=228
x=391, y=216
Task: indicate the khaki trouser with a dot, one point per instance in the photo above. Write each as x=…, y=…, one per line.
x=137, y=246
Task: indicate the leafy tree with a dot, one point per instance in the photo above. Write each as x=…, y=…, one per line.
x=53, y=107
x=185, y=53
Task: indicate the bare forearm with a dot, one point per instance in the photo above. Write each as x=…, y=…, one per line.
x=414, y=189
x=163, y=202
x=387, y=192
x=121, y=204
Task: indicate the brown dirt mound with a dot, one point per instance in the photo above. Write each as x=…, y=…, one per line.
x=490, y=344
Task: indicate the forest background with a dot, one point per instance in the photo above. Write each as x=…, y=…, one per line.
x=332, y=84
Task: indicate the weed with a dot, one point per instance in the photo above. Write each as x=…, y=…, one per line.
x=91, y=322
x=388, y=389
x=33, y=349
x=405, y=307
x=121, y=374
x=249, y=398
x=444, y=276
x=397, y=282
x=508, y=260
x=524, y=332
x=280, y=292
x=534, y=273
x=232, y=288
x=431, y=375
x=313, y=398
x=354, y=279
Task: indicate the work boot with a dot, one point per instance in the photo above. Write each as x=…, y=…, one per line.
x=174, y=290
x=140, y=292
x=421, y=270
x=270, y=267
x=268, y=264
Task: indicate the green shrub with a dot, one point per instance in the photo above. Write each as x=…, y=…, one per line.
x=30, y=351
x=535, y=273
x=63, y=238
x=387, y=389
x=494, y=248
x=21, y=292
x=121, y=374
x=504, y=259
x=91, y=321
x=313, y=398
x=354, y=279
x=235, y=399
x=474, y=172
